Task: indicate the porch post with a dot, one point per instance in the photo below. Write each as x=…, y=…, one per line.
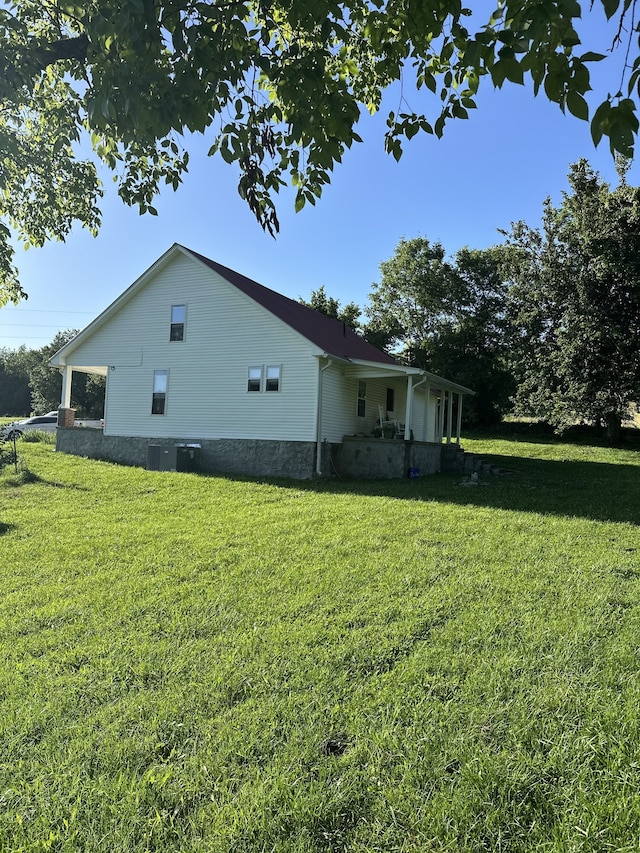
x=65, y=402
x=449, y=414
x=441, y=417
x=408, y=407
x=425, y=421
x=459, y=424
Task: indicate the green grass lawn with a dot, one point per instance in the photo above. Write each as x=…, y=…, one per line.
x=214, y=665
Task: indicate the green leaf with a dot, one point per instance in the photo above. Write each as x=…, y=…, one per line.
x=600, y=121
x=227, y=155
x=578, y=106
x=610, y=7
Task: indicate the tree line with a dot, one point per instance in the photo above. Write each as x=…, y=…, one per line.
x=546, y=324
x=28, y=384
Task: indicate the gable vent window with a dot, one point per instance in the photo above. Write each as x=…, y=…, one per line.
x=159, y=400
x=254, y=379
x=273, y=377
x=178, y=318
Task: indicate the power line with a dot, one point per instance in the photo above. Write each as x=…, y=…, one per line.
x=28, y=325
x=49, y=311
x=23, y=338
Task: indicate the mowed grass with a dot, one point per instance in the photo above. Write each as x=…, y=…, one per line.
x=209, y=664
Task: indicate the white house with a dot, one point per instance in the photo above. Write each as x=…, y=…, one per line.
x=196, y=354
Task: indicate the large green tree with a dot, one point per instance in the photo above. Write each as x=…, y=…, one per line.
x=280, y=84
x=15, y=394
x=575, y=302
x=325, y=304
x=45, y=382
x=447, y=316
x=29, y=384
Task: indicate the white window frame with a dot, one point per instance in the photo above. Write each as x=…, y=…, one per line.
x=158, y=374
x=258, y=368
x=269, y=367
x=183, y=323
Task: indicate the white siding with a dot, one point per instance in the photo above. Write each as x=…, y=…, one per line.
x=338, y=404
x=207, y=397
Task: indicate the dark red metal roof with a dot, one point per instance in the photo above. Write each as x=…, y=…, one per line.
x=332, y=336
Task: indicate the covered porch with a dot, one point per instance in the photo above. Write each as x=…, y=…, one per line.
x=426, y=407
x=66, y=415
x=384, y=420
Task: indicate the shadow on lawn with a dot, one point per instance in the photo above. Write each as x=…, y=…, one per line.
x=27, y=477
x=595, y=490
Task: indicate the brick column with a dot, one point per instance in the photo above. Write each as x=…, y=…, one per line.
x=66, y=417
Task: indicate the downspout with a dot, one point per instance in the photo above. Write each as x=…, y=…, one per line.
x=319, y=419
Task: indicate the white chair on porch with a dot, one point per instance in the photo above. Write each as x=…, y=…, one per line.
x=387, y=422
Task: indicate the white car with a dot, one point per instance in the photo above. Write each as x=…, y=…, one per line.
x=44, y=423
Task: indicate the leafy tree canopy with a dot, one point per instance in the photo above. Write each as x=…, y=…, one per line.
x=575, y=301
x=29, y=384
x=279, y=83
x=448, y=316
x=325, y=304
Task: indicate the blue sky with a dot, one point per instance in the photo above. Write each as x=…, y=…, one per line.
x=486, y=172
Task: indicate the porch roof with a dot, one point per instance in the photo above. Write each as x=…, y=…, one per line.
x=362, y=369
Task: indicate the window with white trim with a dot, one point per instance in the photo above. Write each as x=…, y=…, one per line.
x=272, y=382
x=362, y=398
x=178, y=322
x=390, y=400
x=159, y=398
x=254, y=379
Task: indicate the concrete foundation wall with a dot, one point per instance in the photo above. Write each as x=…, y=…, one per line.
x=251, y=457
x=359, y=458
x=426, y=456
x=371, y=459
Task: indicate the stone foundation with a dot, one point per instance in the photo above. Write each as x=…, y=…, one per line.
x=366, y=458
x=357, y=458
x=253, y=458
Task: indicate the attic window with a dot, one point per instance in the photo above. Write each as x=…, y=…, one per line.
x=178, y=317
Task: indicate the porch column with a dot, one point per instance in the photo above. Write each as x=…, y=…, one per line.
x=425, y=420
x=65, y=402
x=449, y=414
x=441, y=418
x=408, y=407
x=459, y=424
